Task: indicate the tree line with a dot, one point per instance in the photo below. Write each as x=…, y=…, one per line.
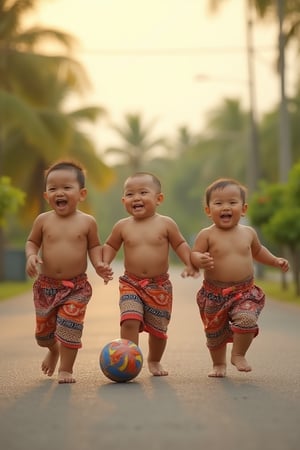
x=36, y=129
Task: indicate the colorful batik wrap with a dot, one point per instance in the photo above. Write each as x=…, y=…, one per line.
x=148, y=300
x=228, y=308
x=60, y=307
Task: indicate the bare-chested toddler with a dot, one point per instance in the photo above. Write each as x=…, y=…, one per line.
x=228, y=300
x=57, y=251
x=145, y=288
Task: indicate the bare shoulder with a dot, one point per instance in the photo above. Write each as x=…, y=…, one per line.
x=248, y=229
x=120, y=225
x=43, y=217
x=122, y=222
x=166, y=219
x=205, y=232
x=85, y=216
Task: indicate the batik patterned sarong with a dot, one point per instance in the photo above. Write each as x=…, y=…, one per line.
x=228, y=308
x=148, y=300
x=60, y=307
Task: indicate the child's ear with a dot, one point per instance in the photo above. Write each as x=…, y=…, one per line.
x=244, y=209
x=83, y=194
x=45, y=195
x=160, y=198
x=207, y=210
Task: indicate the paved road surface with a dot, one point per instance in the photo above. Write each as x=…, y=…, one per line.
x=186, y=410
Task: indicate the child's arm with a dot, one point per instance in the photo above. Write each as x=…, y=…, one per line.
x=113, y=243
x=181, y=248
x=200, y=255
x=95, y=252
x=32, y=248
x=262, y=255
x=102, y=269
x=183, y=251
x=32, y=259
x=109, y=253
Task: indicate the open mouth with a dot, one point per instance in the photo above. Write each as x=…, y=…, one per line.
x=137, y=206
x=226, y=216
x=61, y=203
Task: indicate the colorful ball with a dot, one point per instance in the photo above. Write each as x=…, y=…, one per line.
x=121, y=360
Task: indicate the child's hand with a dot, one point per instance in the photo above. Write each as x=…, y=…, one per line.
x=32, y=265
x=104, y=271
x=206, y=261
x=190, y=271
x=283, y=264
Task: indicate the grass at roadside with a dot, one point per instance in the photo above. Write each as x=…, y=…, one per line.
x=274, y=290
x=10, y=289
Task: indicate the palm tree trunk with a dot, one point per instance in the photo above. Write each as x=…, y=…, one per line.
x=285, y=159
x=1, y=229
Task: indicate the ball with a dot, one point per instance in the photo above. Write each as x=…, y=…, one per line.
x=121, y=360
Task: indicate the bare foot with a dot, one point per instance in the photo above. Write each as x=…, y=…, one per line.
x=219, y=371
x=156, y=369
x=49, y=363
x=65, y=377
x=240, y=363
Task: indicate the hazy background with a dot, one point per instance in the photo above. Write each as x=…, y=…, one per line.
x=143, y=56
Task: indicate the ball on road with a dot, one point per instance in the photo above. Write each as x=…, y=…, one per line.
x=121, y=360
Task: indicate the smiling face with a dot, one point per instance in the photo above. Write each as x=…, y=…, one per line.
x=141, y=196
x=63, y=191
x=226, y=206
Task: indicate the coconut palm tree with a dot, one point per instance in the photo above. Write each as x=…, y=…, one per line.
x=287, y=14
x=34, y=127
x=139, y=147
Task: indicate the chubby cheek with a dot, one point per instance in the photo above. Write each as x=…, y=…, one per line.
x=127, y=206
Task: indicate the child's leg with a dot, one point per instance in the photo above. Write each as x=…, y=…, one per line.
x=241, y=343
x=156, y=349
x=49, y=363
x=130, y=330
x=219, y=362
x=67, y=359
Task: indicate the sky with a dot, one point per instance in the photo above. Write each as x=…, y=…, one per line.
x=145, y=56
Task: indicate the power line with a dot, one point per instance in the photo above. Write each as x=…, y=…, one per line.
x=170, y=51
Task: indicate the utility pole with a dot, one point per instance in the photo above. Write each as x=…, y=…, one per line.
x=254, y=172
x=285, y=159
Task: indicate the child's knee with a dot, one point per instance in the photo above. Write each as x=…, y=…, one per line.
x=131, y=325
x=244, y=320
x=45, y=343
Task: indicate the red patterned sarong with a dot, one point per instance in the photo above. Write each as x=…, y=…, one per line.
x=229, y=308
x=148, y=300
x=60, y=307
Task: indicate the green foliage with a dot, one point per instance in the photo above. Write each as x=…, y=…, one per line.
x=284, y=227
x=11, y=198
x=293, y=187
x=265, y=202
x=35, y=127
x=276, y=209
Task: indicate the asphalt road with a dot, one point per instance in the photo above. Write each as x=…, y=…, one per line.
x=186, y=410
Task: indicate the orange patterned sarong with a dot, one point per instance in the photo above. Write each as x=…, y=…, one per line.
x=148, y=300
x=228, y=308
x=60, y=307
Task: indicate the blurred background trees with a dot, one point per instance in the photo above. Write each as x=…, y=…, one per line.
x=37, y=127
